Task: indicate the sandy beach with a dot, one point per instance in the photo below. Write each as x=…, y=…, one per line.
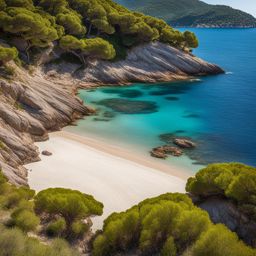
x=116, y=177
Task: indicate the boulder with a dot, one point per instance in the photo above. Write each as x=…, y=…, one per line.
x=46, y=153
x=184, y=143
x=163, y=151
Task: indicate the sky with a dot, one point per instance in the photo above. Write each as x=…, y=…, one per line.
x=244, y=5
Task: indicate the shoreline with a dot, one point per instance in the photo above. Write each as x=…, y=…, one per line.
x=120, y=181
x=124, y=153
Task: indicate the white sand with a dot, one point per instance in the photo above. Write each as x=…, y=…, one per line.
x=99, y=170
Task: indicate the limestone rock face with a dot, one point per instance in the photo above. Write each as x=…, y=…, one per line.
x=29, y=108
x=154, y=62
x=226, y=212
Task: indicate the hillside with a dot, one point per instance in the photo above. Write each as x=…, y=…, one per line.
x=192, y=13
x=85, y=29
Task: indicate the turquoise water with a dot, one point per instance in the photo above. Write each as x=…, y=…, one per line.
x=217, y=112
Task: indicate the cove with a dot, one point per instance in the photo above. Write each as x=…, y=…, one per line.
x=217, y=112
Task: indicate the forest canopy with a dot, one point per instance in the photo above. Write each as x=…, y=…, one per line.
x=101, y=27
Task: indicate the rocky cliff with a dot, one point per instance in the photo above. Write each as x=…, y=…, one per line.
x=31, y=105
x=154, y=62
x=225, y=211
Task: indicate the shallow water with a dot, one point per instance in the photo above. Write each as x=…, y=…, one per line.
x=217, y=112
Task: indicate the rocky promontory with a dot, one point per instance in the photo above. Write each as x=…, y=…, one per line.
x=33, y=103
x=149, y=63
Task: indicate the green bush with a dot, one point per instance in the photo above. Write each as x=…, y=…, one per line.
x=151, y=225
x=7, y=54
x=220, y=241
x=78, y=229
x=233, y=180
x=25, y=220
x=70, y=204
x=11, y=242
x=17, y=195
x=56, y=228
x=167, y=225
x=15, y=243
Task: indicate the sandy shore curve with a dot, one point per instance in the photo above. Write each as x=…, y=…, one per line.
x=114, y=176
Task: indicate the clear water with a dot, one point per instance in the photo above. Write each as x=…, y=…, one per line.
x=217, y=112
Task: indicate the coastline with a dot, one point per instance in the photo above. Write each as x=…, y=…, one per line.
x=120, y=181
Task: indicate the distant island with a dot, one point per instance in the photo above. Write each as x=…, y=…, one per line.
x=192, y=13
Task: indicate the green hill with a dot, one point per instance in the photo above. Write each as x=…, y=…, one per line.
x=98, y=29
x=192, y=13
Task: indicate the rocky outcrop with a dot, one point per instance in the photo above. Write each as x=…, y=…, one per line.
x=222, y=210
x=154, y=62
x=184, y=143
x=164, y=151
x=31, y=106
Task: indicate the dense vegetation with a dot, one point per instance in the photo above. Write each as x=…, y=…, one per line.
x=86, y=28
x=235, y=181
x=191, y=13
x=168, y=225
x=67, y=209
x=61, y=213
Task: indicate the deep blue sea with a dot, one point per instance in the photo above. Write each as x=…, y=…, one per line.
x=217, y=112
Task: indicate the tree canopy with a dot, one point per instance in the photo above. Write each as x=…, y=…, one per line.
x=70, y=204
x=233, y=180
x=167, y=225
x=40, y=23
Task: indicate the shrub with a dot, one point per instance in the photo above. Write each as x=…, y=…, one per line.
x=78, y=229
x=60, y=247
x=16, y=195
x=153, y=226
x=12, y=200
x=25, y=220
x=7, y=54
x=70, y=204
x=15, y=243
x=11, y=242
x=219, y=241
x=56, y=228
x=233, y=180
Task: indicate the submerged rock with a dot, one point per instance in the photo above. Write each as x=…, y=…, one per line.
x=191, y=116
x=184, y=143
x=98, y=119
x=163, y=151
x=171, y=98
x=109, y=114
x=129, y=106
x=125, y=93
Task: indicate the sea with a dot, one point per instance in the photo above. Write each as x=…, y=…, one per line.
x=217, y=112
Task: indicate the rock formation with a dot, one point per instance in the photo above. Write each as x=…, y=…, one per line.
x=164, y=151
x=154, y=62
x=184, y=143
x=223, y=210
x=31, y=106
